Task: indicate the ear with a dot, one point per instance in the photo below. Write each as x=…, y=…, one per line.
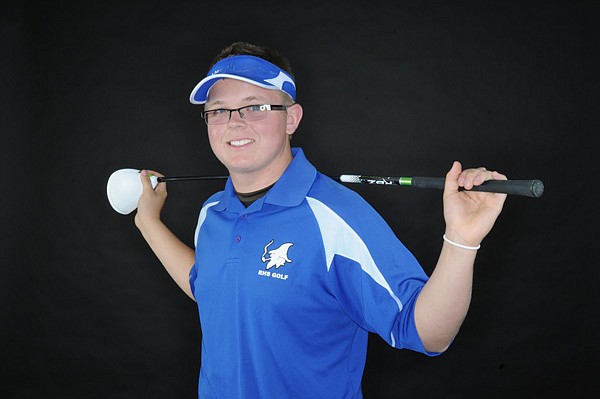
x=294, y=116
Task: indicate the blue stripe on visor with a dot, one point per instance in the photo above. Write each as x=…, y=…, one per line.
x=247, y=68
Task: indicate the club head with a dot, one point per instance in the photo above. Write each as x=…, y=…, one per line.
x=124, y=189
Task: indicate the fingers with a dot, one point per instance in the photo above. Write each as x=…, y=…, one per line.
x=468, y=178
x=475, y=177
x=498, y=176
x=145, y=177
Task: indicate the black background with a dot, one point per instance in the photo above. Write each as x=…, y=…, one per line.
x=389, y=88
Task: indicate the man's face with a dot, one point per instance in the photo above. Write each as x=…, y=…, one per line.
x=258, y=150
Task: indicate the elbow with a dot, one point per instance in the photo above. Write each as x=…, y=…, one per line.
x=437, y=347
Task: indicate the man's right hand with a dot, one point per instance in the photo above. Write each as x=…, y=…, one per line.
x=152, y=200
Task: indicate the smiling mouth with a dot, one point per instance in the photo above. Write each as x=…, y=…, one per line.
x=239, y=143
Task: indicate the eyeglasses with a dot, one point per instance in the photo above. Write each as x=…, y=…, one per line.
x=249, y=113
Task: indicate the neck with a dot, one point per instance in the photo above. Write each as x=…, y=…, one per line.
x=250, y=181
x=248, y=198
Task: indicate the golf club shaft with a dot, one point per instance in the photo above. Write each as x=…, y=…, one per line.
x=187, y=178
x=528, y=188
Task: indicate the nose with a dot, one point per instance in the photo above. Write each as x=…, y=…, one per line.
x=235, y=117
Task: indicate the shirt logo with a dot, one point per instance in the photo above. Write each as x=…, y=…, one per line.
x=277, y=257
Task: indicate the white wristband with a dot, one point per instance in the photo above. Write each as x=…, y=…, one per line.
x=460, y=245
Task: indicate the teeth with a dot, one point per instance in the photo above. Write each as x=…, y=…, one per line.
x=239, y=143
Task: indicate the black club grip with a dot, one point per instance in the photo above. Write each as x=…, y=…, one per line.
x=527, y=188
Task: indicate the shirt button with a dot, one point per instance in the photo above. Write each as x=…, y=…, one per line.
x=245, y=216
x=238, y=238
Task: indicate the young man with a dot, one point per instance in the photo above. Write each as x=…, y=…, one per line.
x=292, y=270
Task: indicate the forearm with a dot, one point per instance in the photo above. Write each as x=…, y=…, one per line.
x=444, y=301
x=176, y=257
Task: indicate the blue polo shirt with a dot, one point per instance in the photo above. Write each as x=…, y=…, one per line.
x=289, y=288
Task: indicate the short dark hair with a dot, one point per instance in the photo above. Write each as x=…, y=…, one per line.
x=244, y=48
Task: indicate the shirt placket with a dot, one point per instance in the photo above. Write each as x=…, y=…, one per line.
x=238, y=239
